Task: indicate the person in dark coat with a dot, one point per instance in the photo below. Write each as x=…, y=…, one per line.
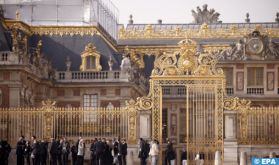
x=35, y=151
x=65, y=151
x=93, y=152
x=100, y=148
x=124, y=147
x=53, y=151
x=170, y=153
x=5, y=150
x=183, y=156
x=59, y=151
x=108, y=159
x=43, y=147
x=27, y=152
x=20, y=151
x=74, y=152
x=1, y=152
x=119, y=156
x=115, y=152
x=143, y=151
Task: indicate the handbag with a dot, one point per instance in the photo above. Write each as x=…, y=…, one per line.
x=115, y=160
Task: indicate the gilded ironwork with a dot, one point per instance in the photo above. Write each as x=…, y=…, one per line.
x=185, y=67
x=48, y=108
x=236, y=104
x=204, y=31
x=51, y=121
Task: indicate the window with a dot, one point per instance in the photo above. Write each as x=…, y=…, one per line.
x=255, y=76
x=90, y=62
x=229, y=76
x=90, y=101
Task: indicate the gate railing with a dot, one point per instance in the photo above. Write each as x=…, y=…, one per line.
x=259, y=126
x=50, y=121
x=256, y=125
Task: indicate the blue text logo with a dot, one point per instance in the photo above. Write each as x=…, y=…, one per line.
x=265, y=161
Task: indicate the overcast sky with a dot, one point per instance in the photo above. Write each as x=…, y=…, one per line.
x=179, y=11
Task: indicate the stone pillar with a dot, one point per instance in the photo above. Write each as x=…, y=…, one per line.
x=230, y=127
x=68, y=75
x=144, y=126
x=243, y=158
x=218, y=160
x=230, y=141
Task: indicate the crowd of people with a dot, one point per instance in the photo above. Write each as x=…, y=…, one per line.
x=152, y=149
x=103, y=152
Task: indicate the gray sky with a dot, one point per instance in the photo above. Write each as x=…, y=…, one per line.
x=179, y=11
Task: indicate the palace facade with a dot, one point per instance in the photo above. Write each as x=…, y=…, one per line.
x=78, y=54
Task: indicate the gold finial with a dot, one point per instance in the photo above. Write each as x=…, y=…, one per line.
x=17, y=15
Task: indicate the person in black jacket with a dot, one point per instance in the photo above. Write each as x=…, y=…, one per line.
x=20, y=151
x=170, y=153
x=143, y=151
x=93, y=151
x=53, y=152
x=43, y=146
x=59, y=151
x=115, y=152
x=100, y=148
x=119, y=156
x=35, y=151
x=108, y=159
x=124, y=147
x=27, y=152
x=183, y=155
x=74, y=152
x=65, y=151
x=5, y=150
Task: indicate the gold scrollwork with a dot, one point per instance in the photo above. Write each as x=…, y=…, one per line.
x=186, y=61
x=48, y=105
x=236, y=104
x=142, y=103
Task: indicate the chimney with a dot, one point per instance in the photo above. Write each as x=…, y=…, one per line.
x=247, y=20
x=131, y=21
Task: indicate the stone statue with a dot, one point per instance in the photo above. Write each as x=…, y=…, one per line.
x=68, y=64
x=110, y=63
x=205, y=15
x=110, y=106
x=126, y=64
x=237, y=52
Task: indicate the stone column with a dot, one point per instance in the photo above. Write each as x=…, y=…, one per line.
x=218, y=160
x=243, y=158
x=230, y=127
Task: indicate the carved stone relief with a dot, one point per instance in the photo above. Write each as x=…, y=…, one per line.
x=254, y=46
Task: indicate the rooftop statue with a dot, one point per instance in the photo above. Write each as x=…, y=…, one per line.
x=205, y=15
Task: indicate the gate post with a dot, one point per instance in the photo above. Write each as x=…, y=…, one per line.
x=47, y=110
x=132, y=122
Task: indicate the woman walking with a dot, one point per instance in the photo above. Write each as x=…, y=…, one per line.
x=154, y=152
x=81, y=152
